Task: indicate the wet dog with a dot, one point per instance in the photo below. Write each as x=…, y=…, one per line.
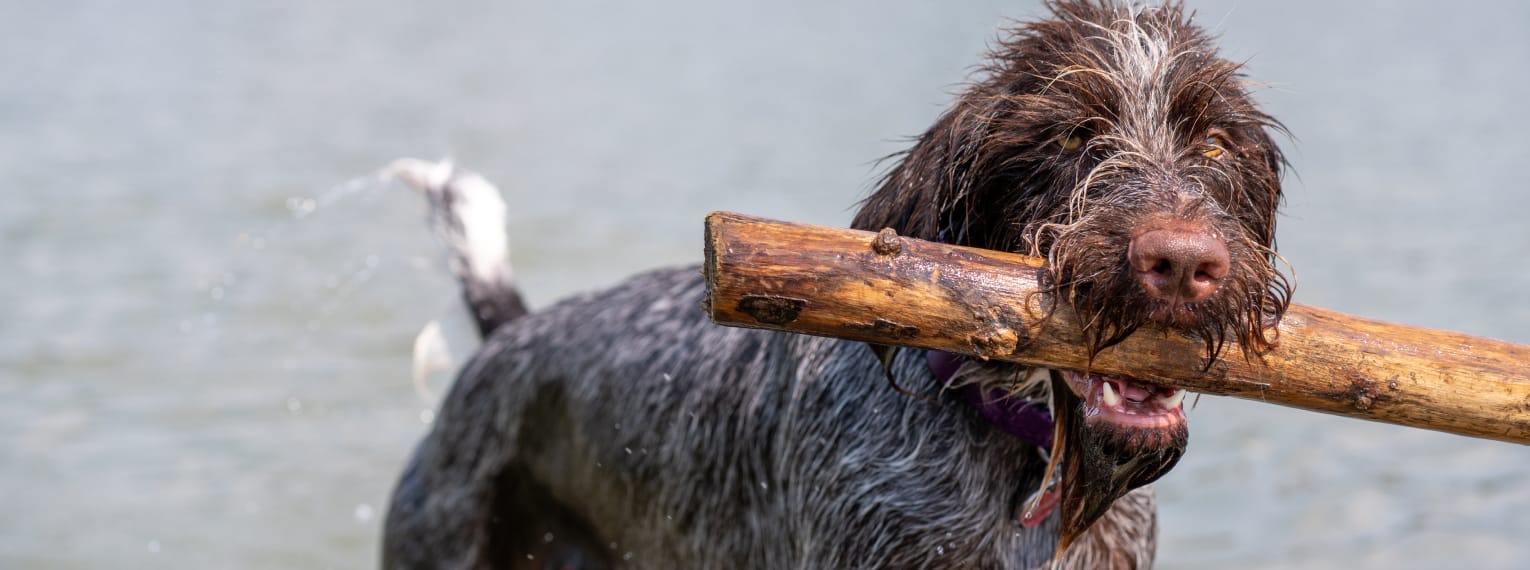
x=622, y=429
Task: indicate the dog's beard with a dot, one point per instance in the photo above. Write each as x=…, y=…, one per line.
x=1101, y=461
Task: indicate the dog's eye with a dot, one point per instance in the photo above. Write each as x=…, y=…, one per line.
x=1070, y=141
x=1216, y=145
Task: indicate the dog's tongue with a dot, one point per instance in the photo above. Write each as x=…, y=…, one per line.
x=1133, y=391
x=1042, y=502
x=1039, y=506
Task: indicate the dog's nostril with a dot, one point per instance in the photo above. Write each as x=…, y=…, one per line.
x=1212, y=271
x=1178, y=265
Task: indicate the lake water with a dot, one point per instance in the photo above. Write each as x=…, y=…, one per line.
x=209, y=303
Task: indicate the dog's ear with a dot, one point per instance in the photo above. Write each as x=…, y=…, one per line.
x=1275, y=161
x=1260, y=165
x=927, y=195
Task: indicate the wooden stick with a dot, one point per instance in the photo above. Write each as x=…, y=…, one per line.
x=885, y=289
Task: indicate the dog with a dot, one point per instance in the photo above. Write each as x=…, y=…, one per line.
x=620, y=428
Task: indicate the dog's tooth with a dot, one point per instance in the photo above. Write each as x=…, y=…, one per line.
x=1109, y=394
x=1172, y=401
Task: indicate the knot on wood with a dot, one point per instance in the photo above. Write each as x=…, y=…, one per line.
x=887, y=242
x=1365, y=392
x=771, y=309
x=996, y=342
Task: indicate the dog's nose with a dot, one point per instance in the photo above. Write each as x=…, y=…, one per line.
x=1178, y=265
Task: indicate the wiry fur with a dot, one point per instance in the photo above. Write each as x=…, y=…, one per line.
x=621, y=428
x=688, y=445
x=469, y=217
x=1142, y=88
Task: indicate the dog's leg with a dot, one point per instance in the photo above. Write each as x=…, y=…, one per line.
x=480, y=507
x=469, y=214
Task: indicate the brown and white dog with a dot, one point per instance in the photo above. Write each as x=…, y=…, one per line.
x=622, y=429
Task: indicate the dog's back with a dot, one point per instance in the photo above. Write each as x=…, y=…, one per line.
x=622, y=428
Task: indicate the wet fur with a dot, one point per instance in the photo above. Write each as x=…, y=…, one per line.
x=621, y=428
x=1143, y=87
x=689, y=445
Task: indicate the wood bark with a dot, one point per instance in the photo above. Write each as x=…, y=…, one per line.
x=885, y=289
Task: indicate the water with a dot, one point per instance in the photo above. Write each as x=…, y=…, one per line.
x=209, y=317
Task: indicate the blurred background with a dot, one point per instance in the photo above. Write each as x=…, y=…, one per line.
x=210, y=300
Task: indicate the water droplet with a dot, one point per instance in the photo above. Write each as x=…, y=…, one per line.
x=627, y=556
x=613, y=546
x=216, y=293
x=185, y=325
x=547, y=538
x=628, y=450
x=153, y=547
x=301, y=207
x=294, y=405
x=373, y=260
x=427, y=416
x=530, y=557
x=363, y=512
x=764, y=485
x=667, y=377
x=940, y=551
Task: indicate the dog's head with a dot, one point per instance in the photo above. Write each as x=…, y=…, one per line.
x=1114, y=142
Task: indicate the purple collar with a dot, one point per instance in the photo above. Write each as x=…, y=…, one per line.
x=1024, y=419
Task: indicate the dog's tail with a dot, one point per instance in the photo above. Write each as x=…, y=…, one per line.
x=469, y=215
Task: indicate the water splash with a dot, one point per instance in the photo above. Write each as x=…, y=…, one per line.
x=253, y=248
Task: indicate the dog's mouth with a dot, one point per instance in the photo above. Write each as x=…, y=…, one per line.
x=1111, y=435
x=1140, y=410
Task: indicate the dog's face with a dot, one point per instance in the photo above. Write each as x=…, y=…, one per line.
x=1115, y=143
